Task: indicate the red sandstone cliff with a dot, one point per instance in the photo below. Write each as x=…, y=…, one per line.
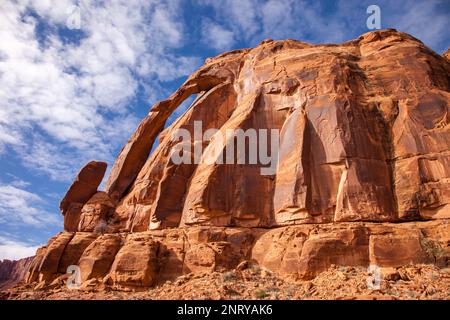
x=365, y=142
x=13, y=271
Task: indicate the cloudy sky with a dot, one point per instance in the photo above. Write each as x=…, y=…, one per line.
x=77, y=76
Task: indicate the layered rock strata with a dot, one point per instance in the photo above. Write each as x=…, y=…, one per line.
x=13, y=271
x=364, y=152
x=147, y=258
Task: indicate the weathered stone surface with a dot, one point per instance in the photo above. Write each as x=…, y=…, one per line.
x=85, y=184
x=48, y=267
x=397, y=250
x=136, y=262
x=149, y=203
x=74, y=249
x=364, y=137
x=172, y=249
x=341, y=247
x=72, y=217
x=13, y=271
x=96, y=213
x=96, y=260
x=200, y=258
x=32, y=274
x=135, y=153
x=144, y=259
x=305, y=251
x=280, y=249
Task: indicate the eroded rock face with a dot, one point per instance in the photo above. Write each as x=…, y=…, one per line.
x=51, y=259
x=136, y=262
x=96, y=213
x=396, y=250
x=364, y=136
x=13, y=271
x=364, y=141
x=143, y=259
x=84, y=186
x=74, y=249
x=96, y=260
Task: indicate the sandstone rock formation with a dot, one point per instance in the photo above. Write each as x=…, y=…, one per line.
x=364, y=137
x=82, y=189
x=364, y=142
x=13, y=271
x=303, y=251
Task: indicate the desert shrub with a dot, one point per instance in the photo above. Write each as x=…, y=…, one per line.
x=101, y=227
x=228, y=276
x=260, y=294
x=432, y=248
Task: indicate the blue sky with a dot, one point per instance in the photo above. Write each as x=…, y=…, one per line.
x=69, y=95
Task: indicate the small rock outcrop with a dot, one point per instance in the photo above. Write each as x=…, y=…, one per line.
x=82, y=189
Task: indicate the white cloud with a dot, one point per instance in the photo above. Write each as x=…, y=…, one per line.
x=19, y=206
x=64, y=103
x=217, y=36
x=275, y=14
x=241, y=16
x=17, y=182
x=14, y=250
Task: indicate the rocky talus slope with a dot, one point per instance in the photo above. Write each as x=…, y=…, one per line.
x=362, y=178
x=249, y=281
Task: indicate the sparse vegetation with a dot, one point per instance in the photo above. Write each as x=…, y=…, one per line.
x=229, y=276
x=433, y=248
x=261, y=294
